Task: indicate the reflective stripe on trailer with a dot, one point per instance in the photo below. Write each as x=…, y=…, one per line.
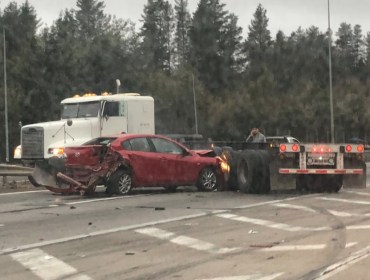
x=320, y=171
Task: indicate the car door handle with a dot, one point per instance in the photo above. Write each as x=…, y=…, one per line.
x=136, y=156
x=163, y=159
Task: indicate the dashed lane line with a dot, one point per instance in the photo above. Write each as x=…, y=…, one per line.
x=185, y=241
x=47, y=267
x=301, y=247
x=270, y=224
x=345, y=200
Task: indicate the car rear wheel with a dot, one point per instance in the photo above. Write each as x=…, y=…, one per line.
x=207, y=180
x=120, y=182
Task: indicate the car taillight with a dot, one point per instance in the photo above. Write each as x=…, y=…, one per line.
x=348, y=148
x=360, y=148
x=295, y=147
x=322, y=150
x=329, y=150
x=282, y=147
x=314, y=149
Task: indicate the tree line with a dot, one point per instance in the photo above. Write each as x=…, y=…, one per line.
x=278, y=82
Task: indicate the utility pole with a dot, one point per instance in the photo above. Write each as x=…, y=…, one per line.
x=6, y=103
x=195, y=108
x=118, y=82
x=331, y=82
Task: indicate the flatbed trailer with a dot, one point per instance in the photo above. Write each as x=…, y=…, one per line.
x=261, y=167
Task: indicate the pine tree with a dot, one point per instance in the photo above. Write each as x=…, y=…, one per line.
x=91, y=18
x=183, y=22
x=258, y=42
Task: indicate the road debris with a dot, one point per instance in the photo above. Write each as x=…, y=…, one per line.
x=72, y=207
x=159, y=208
x=252, y=232
x=270, y=258
x=130, y=253
x=48, y=257
x=90, y=223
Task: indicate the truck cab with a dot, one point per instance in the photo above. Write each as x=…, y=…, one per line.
x=84, y=118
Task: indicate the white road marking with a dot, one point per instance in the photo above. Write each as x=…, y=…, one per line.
x=358, y=227
x=269, y=224
x=296, y=207
x=307, y=209
x=345, y=200
x=113, y=230
x=300, y=247
x=344, y=264
x=53, y=205
x=1, y=225
x=103, y=199
x=98, y=233
x=185, y=241
x=47, y=267
x=249, y=277
x=13, y=193
x=274, y=201
x=359, y=193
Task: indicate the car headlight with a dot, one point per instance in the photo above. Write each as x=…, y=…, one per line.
x=56, y=151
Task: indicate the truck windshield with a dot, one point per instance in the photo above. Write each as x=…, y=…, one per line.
x=80, y=110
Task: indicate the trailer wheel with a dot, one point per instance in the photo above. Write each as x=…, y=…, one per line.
x=120, y=183
x=264, y=174
x=333, y=183
x=208, y=180
x=246, y=167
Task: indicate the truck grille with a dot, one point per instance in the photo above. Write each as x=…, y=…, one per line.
x=33, y=143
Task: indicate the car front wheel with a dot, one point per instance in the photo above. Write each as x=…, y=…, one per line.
x=207, y=180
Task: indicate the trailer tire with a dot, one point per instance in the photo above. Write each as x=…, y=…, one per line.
x=248, y=182
x=231, y=157
x=120, y=182
x=264, y=174
x=333, y=183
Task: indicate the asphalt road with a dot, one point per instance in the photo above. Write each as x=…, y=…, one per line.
x=186, y=235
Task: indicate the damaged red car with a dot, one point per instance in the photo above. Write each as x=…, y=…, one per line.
x=127, y=161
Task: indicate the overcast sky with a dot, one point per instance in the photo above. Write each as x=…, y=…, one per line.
x=286, y=15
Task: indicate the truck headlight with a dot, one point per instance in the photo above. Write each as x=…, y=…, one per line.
x=56, y=151
x=18, y=151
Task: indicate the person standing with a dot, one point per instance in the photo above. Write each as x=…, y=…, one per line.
x=256, y=136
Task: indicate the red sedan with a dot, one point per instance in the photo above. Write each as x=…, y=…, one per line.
x=149, y=161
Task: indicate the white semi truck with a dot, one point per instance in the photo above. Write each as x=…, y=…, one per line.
x=84, y=118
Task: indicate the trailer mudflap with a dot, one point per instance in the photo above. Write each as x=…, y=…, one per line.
x=355, y=181
x=280, y=181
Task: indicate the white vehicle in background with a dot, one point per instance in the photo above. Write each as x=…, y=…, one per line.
x=282, y=139
x=84, y=118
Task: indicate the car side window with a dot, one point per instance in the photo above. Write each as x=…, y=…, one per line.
x=111, y=109
x=139, y=144
x=126, y=145
x=166, y=147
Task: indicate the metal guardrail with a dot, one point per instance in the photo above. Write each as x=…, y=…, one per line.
x=14, y=170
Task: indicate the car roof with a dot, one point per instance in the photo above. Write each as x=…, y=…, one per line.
x=127, y=136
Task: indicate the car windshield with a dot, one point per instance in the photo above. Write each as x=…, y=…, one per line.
x=81, y=110
x=100, y=141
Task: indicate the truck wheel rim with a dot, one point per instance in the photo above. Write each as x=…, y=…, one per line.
x=124, y=183
x=209, y=180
